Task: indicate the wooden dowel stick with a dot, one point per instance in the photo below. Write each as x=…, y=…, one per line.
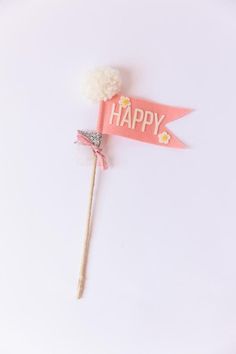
x=85, y=248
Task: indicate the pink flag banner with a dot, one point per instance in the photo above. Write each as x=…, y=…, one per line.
x=140, y=119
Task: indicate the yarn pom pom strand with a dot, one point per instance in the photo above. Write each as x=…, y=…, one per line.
x=101, y=84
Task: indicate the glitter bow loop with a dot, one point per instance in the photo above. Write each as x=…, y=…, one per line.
x=93, y=140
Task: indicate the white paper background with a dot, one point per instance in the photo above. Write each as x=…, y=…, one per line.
x=162, y=269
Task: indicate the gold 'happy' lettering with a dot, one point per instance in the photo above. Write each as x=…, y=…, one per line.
x=116, y=115
x=158, y=122
x=125, y=117
x=147, y=120
x=138, y=117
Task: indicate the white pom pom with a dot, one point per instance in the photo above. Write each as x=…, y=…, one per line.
x=102, y=84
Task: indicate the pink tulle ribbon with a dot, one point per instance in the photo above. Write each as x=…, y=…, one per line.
x=101, y=159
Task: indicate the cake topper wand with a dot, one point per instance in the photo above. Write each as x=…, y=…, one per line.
x=92, y=139
x=128, y=117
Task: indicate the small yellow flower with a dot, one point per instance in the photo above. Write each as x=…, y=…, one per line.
x=164, y=138
x=124, y=101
